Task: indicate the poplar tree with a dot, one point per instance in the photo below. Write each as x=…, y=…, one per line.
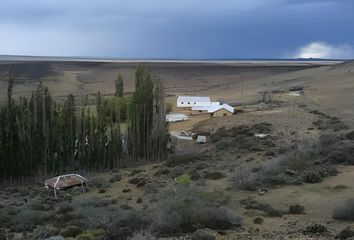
x=146, y=131
x=41, y=137
x=119, y=86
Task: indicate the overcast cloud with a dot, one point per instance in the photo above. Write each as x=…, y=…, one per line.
x=188, y=29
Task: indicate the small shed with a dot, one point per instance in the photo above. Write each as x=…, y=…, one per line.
x=176, y=117
x=201, y=139
x=215, y=110
x=221, y=112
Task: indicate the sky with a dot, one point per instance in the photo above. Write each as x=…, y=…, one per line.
x=178, y=29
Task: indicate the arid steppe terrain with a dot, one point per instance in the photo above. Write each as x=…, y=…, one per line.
x=290, y=184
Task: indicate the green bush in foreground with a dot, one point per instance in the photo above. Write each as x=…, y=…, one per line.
x=184, y=180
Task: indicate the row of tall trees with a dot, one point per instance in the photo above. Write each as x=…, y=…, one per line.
x=147, y=119
x=40, y=136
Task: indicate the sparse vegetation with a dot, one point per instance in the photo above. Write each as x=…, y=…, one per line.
x=266, y=208
x=242, y=138
x=316, y=229
x=188, y=210
x=244, y=179
x=258, y=220
x=189, y=195
x=142, y=234
x=177, y=160
x=306, y=161
x=215, y=175
x=296, y=209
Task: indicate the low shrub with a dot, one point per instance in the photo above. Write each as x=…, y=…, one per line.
x=70, y=231
x=177, y=171
x=266, y=208
x=142, y=234
x=44, y=232
x=115, y=178
x=85, y=236
x=244, y=179
x=187, y=210
x=125, y=223
x=95, y=213
x=27, y=219
x=184, y=180
x=140, y=180
x=316, y=229
x=176, y=160
x=344, y=211
x=346, y=233
x=98, y=182
x=350, y=135
x=296, y=209
x=214, y=175
x=218, y=197
x=92, y=235
x=341, y=152
x=311, y=176
x=258, y=220
x=303, y=162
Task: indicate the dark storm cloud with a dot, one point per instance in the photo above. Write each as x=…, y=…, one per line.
x=177, y=29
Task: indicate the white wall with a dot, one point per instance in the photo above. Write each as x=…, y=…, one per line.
x=200, y=104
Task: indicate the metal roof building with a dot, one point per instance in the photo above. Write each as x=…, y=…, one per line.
x=176, y=117
x=214, y=108
x=189, y=101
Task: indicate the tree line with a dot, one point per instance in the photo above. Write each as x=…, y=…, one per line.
x=40, y=136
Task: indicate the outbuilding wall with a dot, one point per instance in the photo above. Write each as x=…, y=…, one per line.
x=221, y=112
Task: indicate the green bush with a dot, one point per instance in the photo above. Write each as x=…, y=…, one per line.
x=184, y=180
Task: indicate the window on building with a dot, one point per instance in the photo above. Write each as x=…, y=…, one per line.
x=189, y=103
x=181, y=102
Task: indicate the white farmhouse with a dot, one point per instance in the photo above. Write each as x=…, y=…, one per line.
x=190, y=101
